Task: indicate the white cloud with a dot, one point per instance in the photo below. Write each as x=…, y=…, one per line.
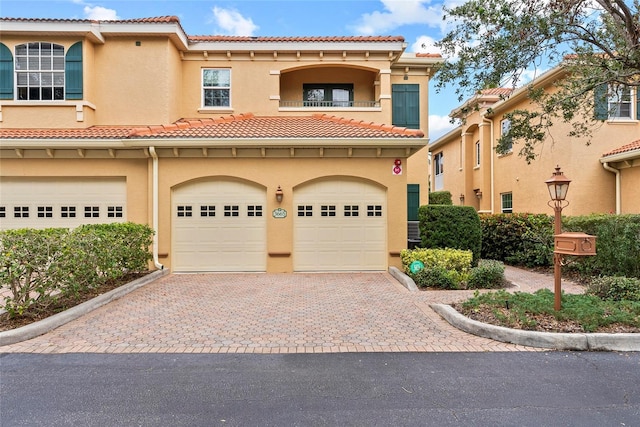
x=439, y=125
x=100, y=13
x=231, y=22
x=397, y=13
x=425, y=44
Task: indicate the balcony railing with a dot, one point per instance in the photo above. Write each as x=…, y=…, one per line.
x=330, y=104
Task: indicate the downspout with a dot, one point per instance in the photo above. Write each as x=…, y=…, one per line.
x=606, y=166
x=154, y=207
x=486, y=120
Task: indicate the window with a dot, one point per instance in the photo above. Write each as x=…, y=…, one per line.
x=114, y=212
x=374, y=210
x=45, y=211
x=305, y=210
x=91, y=212
x=230, y=210
x=619, y=102
x=254, y=210
x=207, y=210
x=438, y=171
x=351, y=210
x=327, y=210
x=68, y=211
x=327, y=95
x=216, y=87
x=507, y=202
x=477, y=153
x=40, y=71
x=405, y=105
x=21, y=212
x=185, y=211
x=3, y=211
x=505, y=127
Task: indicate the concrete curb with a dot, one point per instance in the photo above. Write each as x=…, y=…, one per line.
x=558, y=341
x=43, y=326
x=404, y=280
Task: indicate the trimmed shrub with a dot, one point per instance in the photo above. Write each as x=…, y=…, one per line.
x=519, y=239
x=489, y=274
x=617, y=245
x=36, y=264
x=437, y=277
x=456, y=227
x=615, y=288
x=448, y=259
x=440, y=198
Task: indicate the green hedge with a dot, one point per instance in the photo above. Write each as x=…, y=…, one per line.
x=440, y=198
x=455, y=227
x=35, y=265
x=617, y=244
x=518, y=239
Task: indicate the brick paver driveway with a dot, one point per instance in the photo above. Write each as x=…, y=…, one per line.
x=265, y=313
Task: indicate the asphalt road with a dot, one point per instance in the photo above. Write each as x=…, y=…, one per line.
x=360, y=389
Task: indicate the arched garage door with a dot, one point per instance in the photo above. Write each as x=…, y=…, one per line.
x=340, y=225
x=219, y=225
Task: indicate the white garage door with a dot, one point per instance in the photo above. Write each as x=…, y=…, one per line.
x=340, y=225
x=219, y=226
x=61, y=202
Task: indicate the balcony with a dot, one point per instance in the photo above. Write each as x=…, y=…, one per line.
x=329, y=104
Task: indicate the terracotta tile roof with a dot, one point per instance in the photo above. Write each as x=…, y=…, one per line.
x=635, y=145
x=158, y=19
x=243, y=126
x=501, y=91
x=250, y=126
x=369, y=39
x=93, y=132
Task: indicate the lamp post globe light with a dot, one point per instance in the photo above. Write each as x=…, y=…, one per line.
x=558, y=186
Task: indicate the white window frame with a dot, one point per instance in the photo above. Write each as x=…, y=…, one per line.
x=477, y=154
x=438, y=171
x=219, y=87
x=621, y=98
x=505, y=127
x=504, y=209
x=36, y=70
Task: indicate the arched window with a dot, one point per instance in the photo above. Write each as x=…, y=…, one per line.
x=40, y=69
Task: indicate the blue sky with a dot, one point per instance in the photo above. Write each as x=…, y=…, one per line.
x=419, y=21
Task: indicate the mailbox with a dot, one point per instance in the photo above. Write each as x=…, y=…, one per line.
x=579, y=244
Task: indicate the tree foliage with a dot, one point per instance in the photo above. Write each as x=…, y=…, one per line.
x=493, y=42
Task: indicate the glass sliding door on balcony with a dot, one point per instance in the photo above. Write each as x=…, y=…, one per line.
x=327, y=95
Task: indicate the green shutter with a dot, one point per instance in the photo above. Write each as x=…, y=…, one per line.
x=405, y=101
x=600, y=102
x=413, y=201
x=6, y=72
x=73, y=72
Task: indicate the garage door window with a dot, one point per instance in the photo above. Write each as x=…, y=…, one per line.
x=45, y=211
x=207, y=211
x=185, y=211
x=21, y=211
x=374, y=210
x=3, y=211
x=254, y=210
x=328, y=210
x=114, y=212
x=68, y=211
x=231, y=210
x=91, y=212
x=351, y=210
x=305, y=210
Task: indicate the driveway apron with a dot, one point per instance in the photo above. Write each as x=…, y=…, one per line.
x=266, y=313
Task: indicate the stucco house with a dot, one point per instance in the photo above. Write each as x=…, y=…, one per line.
x=266, y=154
x=605, y=174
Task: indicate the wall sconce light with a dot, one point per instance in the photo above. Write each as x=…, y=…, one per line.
x=461, y=199
x=279, y=194
x=406, y=73
x=478, y=192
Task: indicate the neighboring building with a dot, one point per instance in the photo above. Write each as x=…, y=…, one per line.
x=199, y=136
x=605, y=174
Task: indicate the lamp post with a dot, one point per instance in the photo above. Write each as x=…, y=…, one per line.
x=558, y=186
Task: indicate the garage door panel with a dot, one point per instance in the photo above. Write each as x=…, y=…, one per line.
x=333, y=228
x=227, y=228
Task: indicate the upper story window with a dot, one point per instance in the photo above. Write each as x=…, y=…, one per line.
x=216, y=87
x=40, y=71
x=438, y=164
x=477, y=154
x=619, y=102
x=327, y=95
x=505, y=127
x=616, y=102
